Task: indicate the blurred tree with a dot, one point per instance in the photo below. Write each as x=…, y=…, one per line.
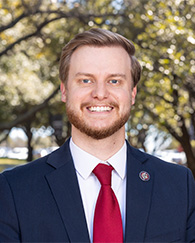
x=168, y=84
x=32, y=34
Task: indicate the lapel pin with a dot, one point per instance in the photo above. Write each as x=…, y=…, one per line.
x=144, y=176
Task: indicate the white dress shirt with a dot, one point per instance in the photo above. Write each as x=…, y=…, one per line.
x=90, y=185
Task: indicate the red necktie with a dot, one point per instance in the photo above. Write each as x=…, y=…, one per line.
x=107, y=225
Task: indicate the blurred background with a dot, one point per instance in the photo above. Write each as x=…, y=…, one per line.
x=33, y=119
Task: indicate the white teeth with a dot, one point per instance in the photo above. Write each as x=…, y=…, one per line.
x=100, y=108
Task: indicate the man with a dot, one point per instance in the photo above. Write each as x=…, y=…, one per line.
x=66, y=196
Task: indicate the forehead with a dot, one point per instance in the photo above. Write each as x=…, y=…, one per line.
x=100, y=57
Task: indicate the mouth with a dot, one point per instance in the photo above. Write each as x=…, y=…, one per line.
x=99, y=108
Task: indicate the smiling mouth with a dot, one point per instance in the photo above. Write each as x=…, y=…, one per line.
x=99, y=108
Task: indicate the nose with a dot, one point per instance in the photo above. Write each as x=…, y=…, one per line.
x=100, y=91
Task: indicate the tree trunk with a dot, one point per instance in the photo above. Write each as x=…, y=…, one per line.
x=27, y=130
x=185, y=142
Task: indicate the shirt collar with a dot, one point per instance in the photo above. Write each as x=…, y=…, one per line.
x=85, y=162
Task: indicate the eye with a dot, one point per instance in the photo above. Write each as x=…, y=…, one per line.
x=114, y=81
x=86, y=81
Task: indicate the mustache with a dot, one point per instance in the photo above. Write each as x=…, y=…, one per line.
x=111, y=104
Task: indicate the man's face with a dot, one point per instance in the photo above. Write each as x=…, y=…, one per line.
x=99, y=91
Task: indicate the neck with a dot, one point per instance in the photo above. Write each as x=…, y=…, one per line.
x=102, y=149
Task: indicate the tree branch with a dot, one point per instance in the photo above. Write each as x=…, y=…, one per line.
x=5, y=137
x=28, y=114
x=28, y=36
x=14, y=22
x=166, y=125
x=60, y=14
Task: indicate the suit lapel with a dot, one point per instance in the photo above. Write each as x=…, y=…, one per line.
x=65, y=189
x=139, y=195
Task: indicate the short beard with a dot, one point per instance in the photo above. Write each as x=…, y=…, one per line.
x=97, y=134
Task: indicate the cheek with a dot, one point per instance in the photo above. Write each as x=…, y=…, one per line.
x=76, y=97
x=124, y=98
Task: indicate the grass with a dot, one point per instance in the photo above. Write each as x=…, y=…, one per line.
x=6, y=163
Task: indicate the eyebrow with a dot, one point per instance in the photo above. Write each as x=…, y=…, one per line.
x=84, y=74
x=117, y=75
x=110, y=75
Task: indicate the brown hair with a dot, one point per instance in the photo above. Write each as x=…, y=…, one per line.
x=98, y=37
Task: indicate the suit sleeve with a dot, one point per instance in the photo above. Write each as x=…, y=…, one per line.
x=9, y=227
x=191, y=209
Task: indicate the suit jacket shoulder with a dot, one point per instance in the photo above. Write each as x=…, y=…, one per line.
x=162, y=196
x=41, y=201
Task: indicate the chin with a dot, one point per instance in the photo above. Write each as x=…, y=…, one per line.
x=99, y=133
x=97, y=129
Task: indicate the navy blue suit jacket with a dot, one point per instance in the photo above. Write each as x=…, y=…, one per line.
x=41, y=201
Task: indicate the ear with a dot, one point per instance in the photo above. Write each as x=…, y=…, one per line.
x=63, y=92
x=133, y=95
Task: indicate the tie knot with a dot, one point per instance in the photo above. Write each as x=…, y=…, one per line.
x=103, y=173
